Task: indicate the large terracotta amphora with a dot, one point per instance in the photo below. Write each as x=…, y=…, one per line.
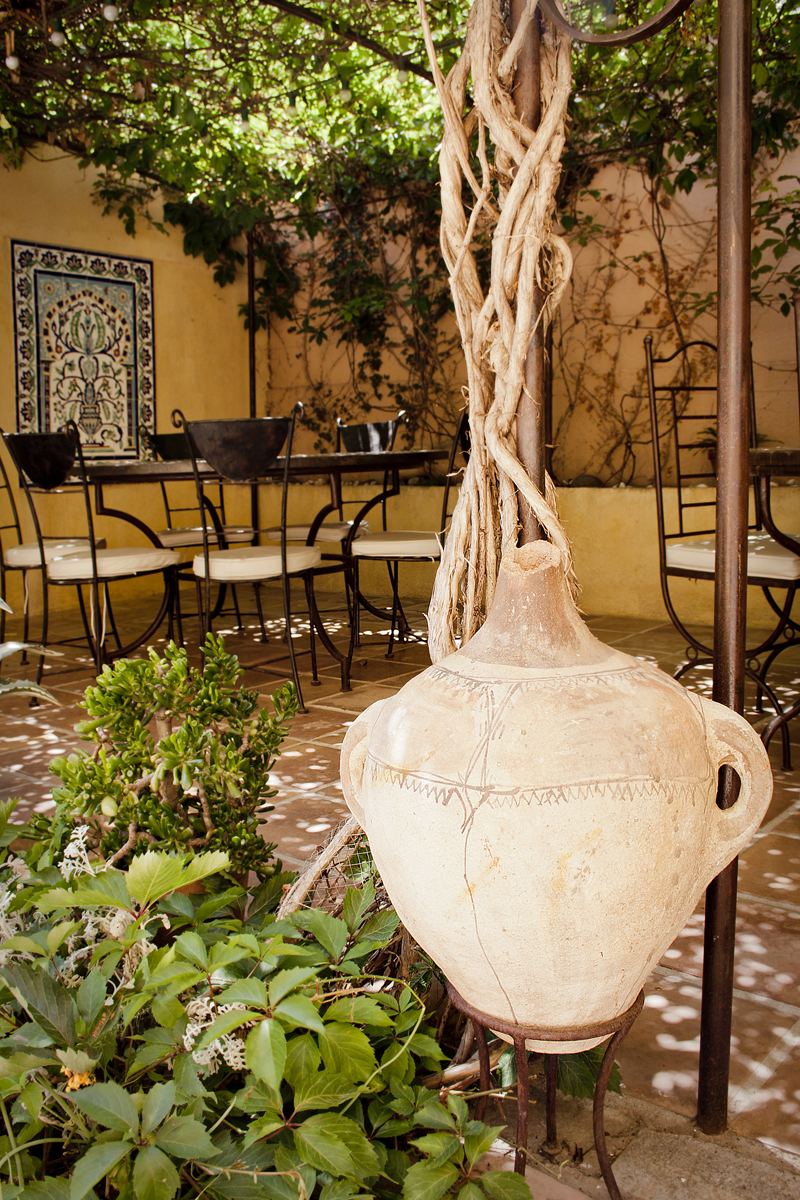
x=542, y=808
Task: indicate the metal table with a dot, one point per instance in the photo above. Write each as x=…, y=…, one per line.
x=303, y=466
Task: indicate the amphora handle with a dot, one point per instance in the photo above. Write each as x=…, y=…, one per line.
x=731, y=741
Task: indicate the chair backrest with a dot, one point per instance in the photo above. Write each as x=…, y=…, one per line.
x=173, y=447
x=460, y=447
x=50, y=462
x=10, y=531
x=368, y=436
x=683, y=419
x=242, y=451
x=239, y=451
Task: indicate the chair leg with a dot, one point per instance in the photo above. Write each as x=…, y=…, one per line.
x=87, y=625
x=287, y=619
x=313, y=613
x=111, y=620
x=395, y=578
x=239, y=625
x=259, y=610
x=202, y=612
x=356, y=622
x=257, y=588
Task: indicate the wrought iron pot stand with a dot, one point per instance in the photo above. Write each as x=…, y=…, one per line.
x=617, y=1028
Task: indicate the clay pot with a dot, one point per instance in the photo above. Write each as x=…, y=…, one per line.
x=542, y=807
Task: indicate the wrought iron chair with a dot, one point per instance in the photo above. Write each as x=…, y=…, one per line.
x=170, y=447
x=243, y=451
x=53, y=462
x=16, y=555
x=405, y=545
x=683, y=414
x=366, y=437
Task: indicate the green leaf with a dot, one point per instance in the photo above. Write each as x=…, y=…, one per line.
x=379, y=929
x=224, y=1023
x=330, y=932
x=48, y=1188
x=78, y=1061
x=300, y=1011
x=439, y=1146
x=322, y=1089
x=322, y=1148
x=347, y=1051
x=479, y=1143
x=361, y=1010
x=154, y=1176
x=283, y=982
x=356, y=904
x=184, y=1137
x=157, y=1103
x=426, y=1182
x=110, y=1105
x=265, y=1052
x=251, y=992
x=154, y=874
x=576, y=1074
x=505, y=1185
x=192, y=946
x=106, y=888
x=45, y=1001
x=90, y=996
x=302, y=1058
x=435, y=1116
x=470, y=1191
x=95, y=1165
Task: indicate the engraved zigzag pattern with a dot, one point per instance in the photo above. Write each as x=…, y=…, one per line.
x=472, y=795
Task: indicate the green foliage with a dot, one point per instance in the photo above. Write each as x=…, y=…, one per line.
x=181, y=762
x=168, y=1046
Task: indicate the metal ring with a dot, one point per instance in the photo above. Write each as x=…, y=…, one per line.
x=654, y=24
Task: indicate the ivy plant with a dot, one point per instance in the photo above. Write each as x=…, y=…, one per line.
x=159, y=1044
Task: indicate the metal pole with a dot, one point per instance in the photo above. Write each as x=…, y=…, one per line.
x=733, y=418
x=251, y=350
x=530, y=410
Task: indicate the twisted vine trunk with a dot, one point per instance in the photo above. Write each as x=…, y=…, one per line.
x=514, y=198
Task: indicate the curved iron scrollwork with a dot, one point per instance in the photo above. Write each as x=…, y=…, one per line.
x=617, y=37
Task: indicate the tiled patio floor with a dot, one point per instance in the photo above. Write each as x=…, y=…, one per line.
x=659, y=1058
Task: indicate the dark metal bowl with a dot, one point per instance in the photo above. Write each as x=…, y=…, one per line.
x=240, y=450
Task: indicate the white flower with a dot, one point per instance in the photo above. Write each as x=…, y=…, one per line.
x=76, y=858
x=202, y=1013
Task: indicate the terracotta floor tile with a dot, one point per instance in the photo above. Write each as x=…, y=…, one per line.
x=299, y=824
x=770, y=868
x=768, y=1106
x=659, y=1058
x=789, y=819
x=306, y=767
x=767, y=958
x=355, y=701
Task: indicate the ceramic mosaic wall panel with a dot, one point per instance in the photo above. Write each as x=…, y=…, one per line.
x=83, y=326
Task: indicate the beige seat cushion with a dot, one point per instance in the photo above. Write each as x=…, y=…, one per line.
x=192, y=535
x=27, y=553
x=406, y=543
x=765, y=557
x=118, y=562
x=252, y=563
x=329, y=531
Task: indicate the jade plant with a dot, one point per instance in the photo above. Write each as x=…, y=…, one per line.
x=180, y=762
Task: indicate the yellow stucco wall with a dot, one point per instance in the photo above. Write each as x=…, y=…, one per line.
x=202, y=367
x=201, y=348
